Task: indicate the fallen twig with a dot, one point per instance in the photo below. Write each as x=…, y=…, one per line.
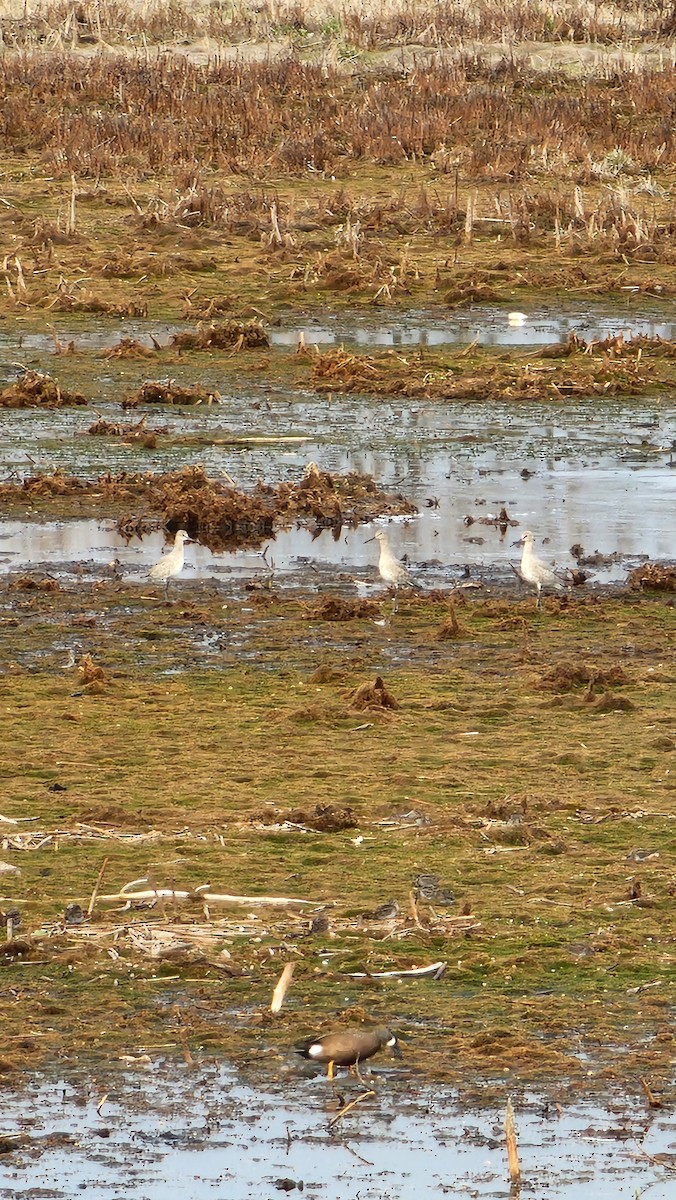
x=436, y=970
x=204, y=895
x=512, y=1148
x=344, y=1111
x=97, y=885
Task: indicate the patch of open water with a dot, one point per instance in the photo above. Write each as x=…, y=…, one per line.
x=171, y=1133
x=596, y=473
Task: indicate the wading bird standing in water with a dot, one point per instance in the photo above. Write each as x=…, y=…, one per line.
x=170, y=564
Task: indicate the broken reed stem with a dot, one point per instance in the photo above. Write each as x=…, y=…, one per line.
x=97, y=885
x=512, y=1148
x=344, y=1111
x=282, y=987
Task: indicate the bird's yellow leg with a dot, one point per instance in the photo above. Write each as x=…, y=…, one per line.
x=330, y=1072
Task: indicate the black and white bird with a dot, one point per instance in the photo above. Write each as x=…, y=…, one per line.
x=170, y=564
x=534, y=570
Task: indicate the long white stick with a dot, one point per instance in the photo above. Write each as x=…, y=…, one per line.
x=209, y=897
x=437, y=969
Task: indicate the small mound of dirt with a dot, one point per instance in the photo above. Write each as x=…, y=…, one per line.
x=334, y=608
x=653, y=576
x=225, y=335
x=128, y=433
x=568, y=675
x=35, y=390
x=372, y=696
x=609, y=702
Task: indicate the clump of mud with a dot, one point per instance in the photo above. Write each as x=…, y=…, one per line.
x=36, y=390
x=654, y=577
x=372, y=696
x=224, y=335
x=451, y=627
x=335, y=608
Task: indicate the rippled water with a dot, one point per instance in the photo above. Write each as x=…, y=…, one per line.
x=602, y=474
x=177, y=1133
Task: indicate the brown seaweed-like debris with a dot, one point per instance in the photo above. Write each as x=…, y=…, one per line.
x=568, y=675
x=129, y=433
x=372, y=695
x=155, y=392
x=336, y=608
x=223, y=335
x=215, y=513
x=37, y=390
x=653, y=576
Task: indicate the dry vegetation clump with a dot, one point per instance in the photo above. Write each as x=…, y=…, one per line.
x=225, y=335
x=566, y=676
x=324, y=818
x=109, y=116
x=37, y=390
x=372, y=696
x=656, y=577
x=88, y=302
x=336, y=608
x=155, y=392
x=218, y=515
x=27, y=583
x=128, y=347
x=482, y=377
x=136, y=434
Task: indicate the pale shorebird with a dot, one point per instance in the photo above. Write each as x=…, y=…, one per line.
x=391, y=570
x=170, y=564
x=534, y=570
x=348, y=1047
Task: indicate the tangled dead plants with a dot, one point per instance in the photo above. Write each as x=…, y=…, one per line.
x=156, y=392
x=37, y=390
x=654, y=577
x=223, y=335
x=337, y=608
x=215, y=514
x=446, y=377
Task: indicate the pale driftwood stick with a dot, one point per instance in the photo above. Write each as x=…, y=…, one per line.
x=436, y=969
x=97, y=885
x=512, y=1149
x=209, y=897
x=282, y=987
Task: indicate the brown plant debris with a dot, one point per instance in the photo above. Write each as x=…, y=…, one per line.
x=653, y=576
x=568, y=675
x=484, y=377
x=450, y=628
x=90, y=671
x=137, y=433
x=27, y=583
x=335, y=608
x=372, y=695
x=36, y=390
x=324, y=818
x=609, y=702
x=214, y=513
x=128, y=347
x=155, y=392
x=225, y=335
